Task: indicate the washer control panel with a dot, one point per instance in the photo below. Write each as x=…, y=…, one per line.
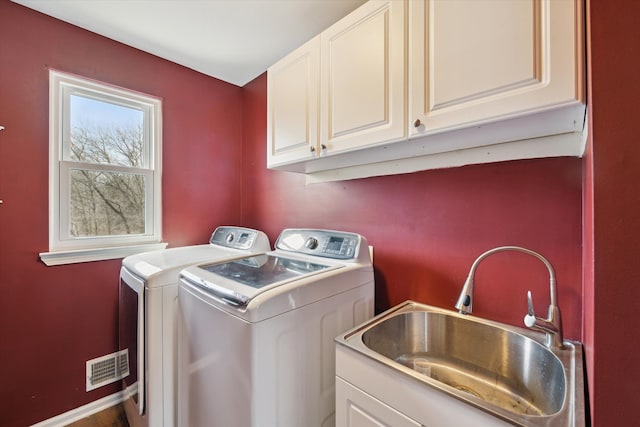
x=237, y=237
x=326, y=243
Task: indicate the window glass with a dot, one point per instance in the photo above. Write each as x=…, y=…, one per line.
x=104, y=132
x=106, y=203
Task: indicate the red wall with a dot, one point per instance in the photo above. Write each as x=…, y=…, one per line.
x=427, y=228
x=612, y=214
x=54, y=319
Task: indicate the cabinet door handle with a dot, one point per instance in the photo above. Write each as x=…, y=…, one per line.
x=324, y=147
x=312, y=149
x=417, y=123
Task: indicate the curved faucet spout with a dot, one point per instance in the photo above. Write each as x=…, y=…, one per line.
x=552, y=325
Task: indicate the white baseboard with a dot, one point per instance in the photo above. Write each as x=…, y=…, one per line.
x=82, y=412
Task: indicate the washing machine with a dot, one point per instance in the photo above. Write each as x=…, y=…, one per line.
x=256, y=334
x=147, y=319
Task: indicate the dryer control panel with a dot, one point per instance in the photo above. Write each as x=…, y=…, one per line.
x=238, y=238
x=326, y=243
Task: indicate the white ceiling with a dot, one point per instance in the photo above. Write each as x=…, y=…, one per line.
x=232, y=40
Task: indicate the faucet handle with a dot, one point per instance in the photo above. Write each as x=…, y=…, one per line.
x=530, y=311
x=530, y=317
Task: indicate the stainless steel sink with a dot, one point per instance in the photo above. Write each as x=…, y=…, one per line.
x=501, y=369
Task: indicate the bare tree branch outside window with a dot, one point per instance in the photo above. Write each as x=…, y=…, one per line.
x=105, y=203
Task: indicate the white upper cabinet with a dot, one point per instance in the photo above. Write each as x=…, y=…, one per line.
x=473, y=62
x=292, y=106
x=362, y=79
x=405, y=85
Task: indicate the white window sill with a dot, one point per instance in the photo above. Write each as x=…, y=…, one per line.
x=97, y=254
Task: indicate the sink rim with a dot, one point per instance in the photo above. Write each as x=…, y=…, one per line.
x=502, y=374
x=571, y=410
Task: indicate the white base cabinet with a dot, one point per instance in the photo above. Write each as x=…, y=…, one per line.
x=355, y=408
x=405, y=85
x=371, y=394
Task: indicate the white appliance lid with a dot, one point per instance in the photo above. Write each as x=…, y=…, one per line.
x=238, y=281
x=147, y=264
x=162, y=267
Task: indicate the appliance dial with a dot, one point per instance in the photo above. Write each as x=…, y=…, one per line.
x=311, y=243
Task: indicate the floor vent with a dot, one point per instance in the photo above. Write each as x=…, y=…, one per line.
x=107, y=369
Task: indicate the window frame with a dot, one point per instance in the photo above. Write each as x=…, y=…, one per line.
x=63, y=248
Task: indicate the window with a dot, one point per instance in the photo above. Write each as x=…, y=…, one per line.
x=104, y=172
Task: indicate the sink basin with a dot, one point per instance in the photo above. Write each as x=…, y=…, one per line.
x=493, y=364
x=500, y=369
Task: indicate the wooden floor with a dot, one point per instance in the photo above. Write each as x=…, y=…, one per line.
x=111, y=417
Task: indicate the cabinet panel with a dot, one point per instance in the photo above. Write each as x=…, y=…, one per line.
x=501, y=58
x=355, y=408
x=292, y=108
x=358, y=89
x=475, y=62
x=362, y=78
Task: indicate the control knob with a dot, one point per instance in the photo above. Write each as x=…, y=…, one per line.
x=311, y=243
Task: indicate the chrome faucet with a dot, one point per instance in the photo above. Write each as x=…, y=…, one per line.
x=551, y=326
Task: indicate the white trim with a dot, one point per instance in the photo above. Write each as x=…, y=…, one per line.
x=564, y=145
x=96, y=254
x=82, y=412
x=61, y=86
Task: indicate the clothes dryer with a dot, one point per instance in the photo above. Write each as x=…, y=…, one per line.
x=147, y=319
x=256, y=334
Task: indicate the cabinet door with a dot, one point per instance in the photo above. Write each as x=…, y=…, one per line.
x=473, y=62
x=292, y=105
x=362, y=78
x=355, y=408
